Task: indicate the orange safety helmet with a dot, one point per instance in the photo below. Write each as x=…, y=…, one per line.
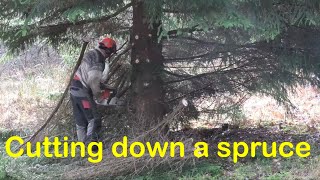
x=109, y=45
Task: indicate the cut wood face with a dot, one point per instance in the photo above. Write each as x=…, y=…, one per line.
x=184, y=102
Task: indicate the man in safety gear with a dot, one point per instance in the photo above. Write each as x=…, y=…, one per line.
x=87, y=88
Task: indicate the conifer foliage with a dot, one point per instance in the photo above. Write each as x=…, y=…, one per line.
x=184, y=48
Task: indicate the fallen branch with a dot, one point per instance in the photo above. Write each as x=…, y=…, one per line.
x=84, y=47
x=130, y=166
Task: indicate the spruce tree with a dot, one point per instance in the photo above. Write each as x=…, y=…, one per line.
x=184, y=48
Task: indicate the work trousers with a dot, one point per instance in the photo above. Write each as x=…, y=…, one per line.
x=87, y=119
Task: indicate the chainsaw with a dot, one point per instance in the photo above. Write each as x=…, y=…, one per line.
x=108, y=97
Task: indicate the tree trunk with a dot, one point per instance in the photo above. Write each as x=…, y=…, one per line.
x=147, y=62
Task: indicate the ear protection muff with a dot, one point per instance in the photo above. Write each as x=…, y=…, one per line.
x=107, y=50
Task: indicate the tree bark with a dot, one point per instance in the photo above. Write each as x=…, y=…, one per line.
x=147, y=62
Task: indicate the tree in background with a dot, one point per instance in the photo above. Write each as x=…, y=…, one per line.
x=184, y=48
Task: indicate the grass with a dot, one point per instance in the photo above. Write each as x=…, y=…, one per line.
x=254, y=168
x=265, y=169
x=211, y=168
x=3, y=162
x=29, y=98
x=201, y=171
x=261, y=169
x=28, y=168
x=31, y=94
x=293, y=168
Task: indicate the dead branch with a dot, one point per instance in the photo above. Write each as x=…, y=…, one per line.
x=112, y=166
x=112, y=72
x=122, y=92
x=84, y=47
x=119, y=55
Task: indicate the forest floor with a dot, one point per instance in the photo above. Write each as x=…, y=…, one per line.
x=28, y=95
x=211, y=167
x=259, y=167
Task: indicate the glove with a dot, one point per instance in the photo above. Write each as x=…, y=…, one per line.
x=113, y=101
